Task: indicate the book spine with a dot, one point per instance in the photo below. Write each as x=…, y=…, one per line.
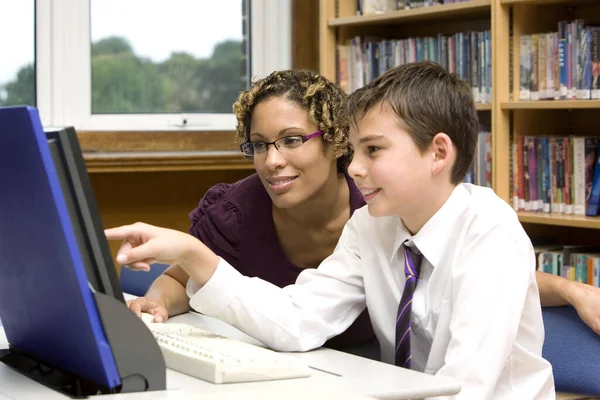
x=546, y=176
x=534, y=68
x=553, y=182
x=524, y=79
x=591, y=145
x=562, y=62
x=515, y=175
x=581, y=268
x=579, y=175
x=526, y=175
x=568, y=188
x=597, y=272
x=539, y=153
x=594, y=200
x=533, y=185
x=542, y=67
x=570, y=69
x=595, y=59
x=560, y=175
x=590, y=269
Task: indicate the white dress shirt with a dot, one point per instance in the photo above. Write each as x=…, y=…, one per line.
x=476, y=313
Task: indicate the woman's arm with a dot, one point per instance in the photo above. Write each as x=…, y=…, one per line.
x=558, y=291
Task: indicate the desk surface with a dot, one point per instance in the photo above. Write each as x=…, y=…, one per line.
x=346, y=375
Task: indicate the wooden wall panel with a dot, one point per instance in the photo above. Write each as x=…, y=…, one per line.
x=159, y=198
x=305, y=34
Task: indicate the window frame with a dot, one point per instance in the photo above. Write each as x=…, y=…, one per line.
x=63, y=68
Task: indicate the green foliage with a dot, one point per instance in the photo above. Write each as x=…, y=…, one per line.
x=22, y=90
x=225, y=65
x=123, y=82
x=111, y=45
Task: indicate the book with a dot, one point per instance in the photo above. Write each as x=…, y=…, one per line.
x=594, y=199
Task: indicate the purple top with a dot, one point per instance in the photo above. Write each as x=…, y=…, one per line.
x=236, y=222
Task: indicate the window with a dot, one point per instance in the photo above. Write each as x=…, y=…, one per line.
x=200, y=68
x=17, y=47
x=155, y=64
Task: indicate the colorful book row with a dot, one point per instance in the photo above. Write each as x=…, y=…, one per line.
x=556, y=174
x=576, y=263
x=480, y=172
x=468, y=54
x=563, y=65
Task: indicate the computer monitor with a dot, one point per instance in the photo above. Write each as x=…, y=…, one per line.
x=83, y=211
x=60, y=301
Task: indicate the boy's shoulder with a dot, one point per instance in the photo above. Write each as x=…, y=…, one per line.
x=486, y=211
x=484, y=200
x=473, y=220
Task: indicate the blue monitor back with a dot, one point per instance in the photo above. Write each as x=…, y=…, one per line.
x=46, y=305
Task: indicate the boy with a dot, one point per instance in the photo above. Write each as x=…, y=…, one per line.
x=420, y=256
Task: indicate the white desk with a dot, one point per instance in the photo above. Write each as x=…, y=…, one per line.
x=336, y=375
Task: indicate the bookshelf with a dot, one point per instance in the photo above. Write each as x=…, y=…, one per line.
x=464, y=9
x=574, y=221
x=507, y=116
x=551, y=105
x=545, y=2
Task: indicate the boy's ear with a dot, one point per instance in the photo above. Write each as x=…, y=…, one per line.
x=442, y=151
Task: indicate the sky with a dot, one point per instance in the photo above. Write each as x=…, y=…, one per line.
x=154, y=28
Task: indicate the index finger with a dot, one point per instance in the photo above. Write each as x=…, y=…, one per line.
x=119, y=233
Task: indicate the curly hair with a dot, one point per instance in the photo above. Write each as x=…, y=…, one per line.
x=324, y=101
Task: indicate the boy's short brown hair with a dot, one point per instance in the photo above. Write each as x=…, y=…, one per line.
x=429, y=100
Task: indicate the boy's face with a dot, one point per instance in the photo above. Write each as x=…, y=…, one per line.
x=387, y=166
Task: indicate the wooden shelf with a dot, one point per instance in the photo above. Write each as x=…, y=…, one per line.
x=550, y=105
x=165, y=161
x=446, y=11
x=546, y=2
x=483, y=106
x=575, y=221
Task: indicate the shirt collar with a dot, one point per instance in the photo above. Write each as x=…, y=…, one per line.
x=439, y=231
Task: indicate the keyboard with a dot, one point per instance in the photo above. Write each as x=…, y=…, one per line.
x=217, y=359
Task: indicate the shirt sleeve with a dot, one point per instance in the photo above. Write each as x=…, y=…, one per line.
x=321, y=304
x=216, y=222
x=491, y=282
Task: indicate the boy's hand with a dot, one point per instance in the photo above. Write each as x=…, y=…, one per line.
x=145, y=244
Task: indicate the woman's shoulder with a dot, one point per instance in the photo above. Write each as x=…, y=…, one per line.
x=223, y=198
x=218, y=220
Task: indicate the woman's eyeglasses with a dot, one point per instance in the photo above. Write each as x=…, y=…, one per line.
x=283, y=145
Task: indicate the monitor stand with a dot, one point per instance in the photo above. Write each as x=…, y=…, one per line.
x=138, y=358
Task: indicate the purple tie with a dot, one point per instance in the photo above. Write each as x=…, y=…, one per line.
x=412, y=266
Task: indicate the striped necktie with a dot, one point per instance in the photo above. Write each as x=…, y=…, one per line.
x=412, y=266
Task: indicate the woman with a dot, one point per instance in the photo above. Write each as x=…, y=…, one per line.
x=290, y=214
